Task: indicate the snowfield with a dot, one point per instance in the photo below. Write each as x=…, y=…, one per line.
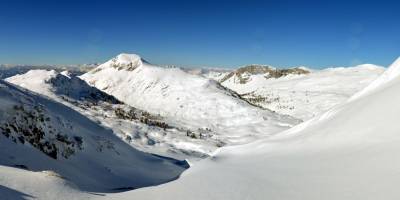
x=80, y=139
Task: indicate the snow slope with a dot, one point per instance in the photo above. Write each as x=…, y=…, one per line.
x=188, y=100
x=302, y=95
x=73, y=92
x=38, y=134
x=21, y=184
x=350, y=152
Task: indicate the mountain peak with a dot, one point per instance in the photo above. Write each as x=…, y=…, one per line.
x=125, y=61
x=128, y=58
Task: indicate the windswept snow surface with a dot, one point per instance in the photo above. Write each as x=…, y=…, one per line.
x=301, y=96
x=349, y=152
x=38, y=134
x=189, y=100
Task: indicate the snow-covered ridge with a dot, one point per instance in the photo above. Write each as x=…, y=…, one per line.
x=12, y=70
x=390, y=74
x=242, y=74
x=64, y=84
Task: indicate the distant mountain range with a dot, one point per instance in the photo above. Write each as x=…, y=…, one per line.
x=8, y=70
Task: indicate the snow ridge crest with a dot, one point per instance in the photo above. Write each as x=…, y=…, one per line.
x=391, y=73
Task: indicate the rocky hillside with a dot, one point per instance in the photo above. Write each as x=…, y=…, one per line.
x=243, y=74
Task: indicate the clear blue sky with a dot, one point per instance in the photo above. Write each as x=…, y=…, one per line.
x=201, y=33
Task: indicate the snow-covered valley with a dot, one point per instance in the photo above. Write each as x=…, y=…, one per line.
x=256, y=132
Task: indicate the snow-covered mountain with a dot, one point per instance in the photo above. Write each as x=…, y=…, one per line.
x=62, y=85
x=50, y=139
x=139, y=128
x=349, y=152
x=298, y=92
x=79, y=140
x=188, y=100
x=12, y=70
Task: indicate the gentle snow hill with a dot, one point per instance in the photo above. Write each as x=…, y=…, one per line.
x=350, y=152
x=128, y=123
x=188, y=100
x=38, y=134
x=299, y=92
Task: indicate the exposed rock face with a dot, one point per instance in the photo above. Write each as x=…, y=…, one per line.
x=243, y=73
x=142, y=116
x=33, y=125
